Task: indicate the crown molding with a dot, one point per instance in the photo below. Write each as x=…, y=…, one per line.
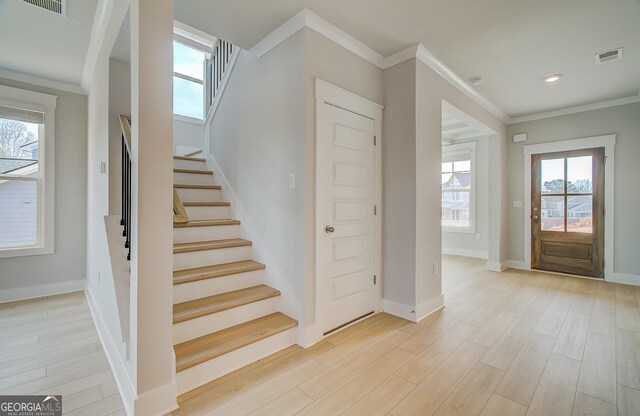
x=454, y=79
x=306, y=18
x=577, y=109
x=42, y=82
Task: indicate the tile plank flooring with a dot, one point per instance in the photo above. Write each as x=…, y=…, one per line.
x=50, y=346
x=512, y=343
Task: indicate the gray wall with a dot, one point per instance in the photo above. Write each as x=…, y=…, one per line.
x=258, y=139
x=399, y=140
x=68, y=261
x=465, y=242
x=623, y=121
x=258, y=149
x=431, y=90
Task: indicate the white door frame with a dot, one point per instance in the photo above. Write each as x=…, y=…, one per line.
x=326, y=93
x=608, y=142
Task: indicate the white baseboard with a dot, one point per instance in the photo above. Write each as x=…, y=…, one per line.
x=517, y=264
x=625, y=279
x=496, y=266
x=118, y=366
x=478, y=254
x=429, y=306
x=30, y=292
x=158, y=402
x=399, y=309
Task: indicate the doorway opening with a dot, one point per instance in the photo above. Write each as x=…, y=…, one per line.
x=468, y=194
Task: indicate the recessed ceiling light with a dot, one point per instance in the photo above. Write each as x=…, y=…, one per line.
x=476, y=80
x=552, y=78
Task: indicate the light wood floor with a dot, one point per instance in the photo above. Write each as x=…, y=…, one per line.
x=511, y=343
x=50, y=346
x=507, y=344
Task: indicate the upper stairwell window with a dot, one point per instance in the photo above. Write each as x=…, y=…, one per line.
x=188, y=81
x=191, y=50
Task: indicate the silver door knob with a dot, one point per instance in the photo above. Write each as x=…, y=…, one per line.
x=535, y=217
x=329, y=229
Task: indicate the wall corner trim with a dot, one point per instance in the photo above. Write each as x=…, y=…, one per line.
x=306, y=18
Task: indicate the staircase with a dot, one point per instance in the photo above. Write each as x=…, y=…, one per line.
x=224, y=316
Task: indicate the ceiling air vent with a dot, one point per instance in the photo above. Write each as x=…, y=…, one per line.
x=608, y=56
x=56, y=6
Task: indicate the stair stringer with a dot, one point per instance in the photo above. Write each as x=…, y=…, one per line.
x=273, y=274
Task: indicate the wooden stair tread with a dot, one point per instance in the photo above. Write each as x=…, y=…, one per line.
x=210, y=245
x=194, y=171
x=196, y=351
x=187, y=186
x=193, y=159
x=207, y=204
x=207, y=223
x=217, y=303
x=216, y=270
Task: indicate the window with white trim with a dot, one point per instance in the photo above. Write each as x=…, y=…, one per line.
x=26, y=172
x=191, y=49
x=458, y=187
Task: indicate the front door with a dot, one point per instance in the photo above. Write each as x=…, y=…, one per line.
x=567, y=212
x=345, y=213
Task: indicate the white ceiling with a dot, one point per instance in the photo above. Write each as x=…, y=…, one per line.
x=511, y=44
x=39, y=42
x=455, y=129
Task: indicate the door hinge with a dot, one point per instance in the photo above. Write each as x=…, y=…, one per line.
x=374, y=279
x=604, y=160
x=374, y=140
x=604, y=212
x=375, y=210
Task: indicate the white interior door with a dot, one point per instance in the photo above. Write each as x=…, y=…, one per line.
x=345, y=216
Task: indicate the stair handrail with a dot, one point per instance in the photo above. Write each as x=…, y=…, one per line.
x=179, y=213
x=125, y=220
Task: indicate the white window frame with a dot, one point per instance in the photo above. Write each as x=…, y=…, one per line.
x=200, y=41
x=449, y=152
x=45, y=103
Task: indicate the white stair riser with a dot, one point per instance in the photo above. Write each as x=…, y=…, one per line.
x=192, y=179
x=208, y=213
x=200, y=195
x=208, y=257
x=210, y=370
x=188, y=164
x=209, y=287
x=208, y=324
x=218, y=232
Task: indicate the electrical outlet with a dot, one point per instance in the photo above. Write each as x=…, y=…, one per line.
x=517, y=204
x=436, y=268
x=478, y=236
x=99, y=278
x=292, y=181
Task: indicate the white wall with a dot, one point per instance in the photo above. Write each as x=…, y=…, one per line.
x=64, y=270
x=624, y=121
x=467, y=244
x=186, y=135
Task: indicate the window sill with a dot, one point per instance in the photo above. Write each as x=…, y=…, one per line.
x=25, y=251
x=186, y=119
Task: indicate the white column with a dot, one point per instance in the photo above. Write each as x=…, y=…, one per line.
x=152, y=216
